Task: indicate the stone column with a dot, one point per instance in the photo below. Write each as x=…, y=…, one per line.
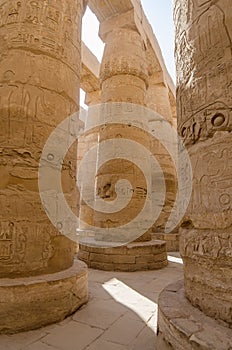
x=205, y=122
x=157, y=99
x=204, y=62
x=124, y=71
x=124, y=78
x=39, y=87
x=93, y=98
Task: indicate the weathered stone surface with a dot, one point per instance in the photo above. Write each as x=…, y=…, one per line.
x=166, y=163
x=39, y=87
x=106, y=9
x=132, y=257
x=171, y=239
x=184, y=327
x=123, y=70
x=32, y=302
x=203, y=57
x=40, y=63
x=123, y=78
x=90, y=76
x=157, y=95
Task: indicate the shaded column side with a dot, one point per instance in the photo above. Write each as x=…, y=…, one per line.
x=39, y=87
x=204, y=101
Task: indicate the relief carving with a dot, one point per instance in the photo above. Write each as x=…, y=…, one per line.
x=39, y=84
x=33, y=13
x=214, y=245
x=7, y=237
x=205, y=124
x=13, y=12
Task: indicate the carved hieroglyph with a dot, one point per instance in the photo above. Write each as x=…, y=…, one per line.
x=158, y=97
x=204, y=61
x=123, y=78
x=39, y=87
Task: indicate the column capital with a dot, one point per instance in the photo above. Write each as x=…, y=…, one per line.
x=93, y=98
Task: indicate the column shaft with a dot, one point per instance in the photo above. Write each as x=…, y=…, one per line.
x=204, y=100
x=39, y=87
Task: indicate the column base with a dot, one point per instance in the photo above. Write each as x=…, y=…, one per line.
x=184, y=327
x=32, y=302
x=171, y=239
x=136, y=256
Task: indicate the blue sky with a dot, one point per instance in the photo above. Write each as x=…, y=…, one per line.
x=159, y=13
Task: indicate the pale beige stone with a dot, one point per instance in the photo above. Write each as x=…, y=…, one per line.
x=39, y=55
x=158, y=100
x=99, y=315
x=104, y=344
x=171, y=239
x=40, y=63
x=32, y=302
x=132, y=327
x=203, y=59
x=132, y=257
x=76, y=334
x=184, y=327
x=106, y=9
x=126, y=70
x=136, y=301
x=204, y=121
x=90, y=76
x=125, y=80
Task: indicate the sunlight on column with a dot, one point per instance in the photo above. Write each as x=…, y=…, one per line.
x=146, y=309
